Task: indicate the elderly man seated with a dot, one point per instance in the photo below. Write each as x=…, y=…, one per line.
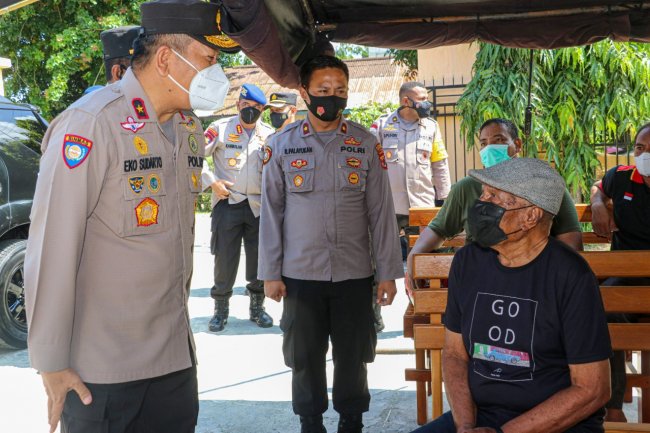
x=526, y=347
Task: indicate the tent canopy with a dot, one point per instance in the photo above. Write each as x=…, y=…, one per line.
x=280, y=35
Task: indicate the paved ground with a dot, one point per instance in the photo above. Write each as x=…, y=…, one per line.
x=244, y=385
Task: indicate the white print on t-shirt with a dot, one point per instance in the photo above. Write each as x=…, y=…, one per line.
x=501, y=337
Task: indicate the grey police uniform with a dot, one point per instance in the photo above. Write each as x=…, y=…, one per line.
x=237, y=157
x=112, y=231
x=325, y=196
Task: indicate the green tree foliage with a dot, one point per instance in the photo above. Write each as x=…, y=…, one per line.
x=581, y=96
x=407, y=58
x=55, y=49
x=366, y=114
x=351, y=51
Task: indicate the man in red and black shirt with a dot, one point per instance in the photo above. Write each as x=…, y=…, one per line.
x=627, y=189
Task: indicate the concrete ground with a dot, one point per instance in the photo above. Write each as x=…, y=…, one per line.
x=244, y=386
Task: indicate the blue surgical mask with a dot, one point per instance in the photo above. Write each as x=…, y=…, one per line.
x=493, y=154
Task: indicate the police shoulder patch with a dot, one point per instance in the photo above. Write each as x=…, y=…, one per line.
x=268, y=153
x=382, y=157
x=75, y=150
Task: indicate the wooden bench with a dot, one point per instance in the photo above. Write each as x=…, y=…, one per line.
x=429, y=338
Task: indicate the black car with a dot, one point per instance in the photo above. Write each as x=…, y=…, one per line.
x=21, y=132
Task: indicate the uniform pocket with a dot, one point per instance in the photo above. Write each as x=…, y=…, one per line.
x=391, y=151
x=79, y=417
x=423, y=149
x=299, y=173
x=144, y=204
x=352, y=172
x=233, y=159
x=288, y=339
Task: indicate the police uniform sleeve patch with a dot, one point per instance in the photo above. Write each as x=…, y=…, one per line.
x=75, y=150
x=211, y=134
x=268, y=153
x=382, y=157
x=140, y=108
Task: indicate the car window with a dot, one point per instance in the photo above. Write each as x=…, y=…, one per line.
x=20, y=126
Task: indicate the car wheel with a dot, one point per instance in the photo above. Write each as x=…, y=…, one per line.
x=13, y=319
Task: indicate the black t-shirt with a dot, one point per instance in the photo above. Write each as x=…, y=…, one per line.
x=523, y=326
x=631, y=198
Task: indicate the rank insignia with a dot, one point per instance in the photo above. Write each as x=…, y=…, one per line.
x=233, y=138
x=211, y=134
x=239, y=129
x=344, y=128
x=75, y=150
x=394, y=118
x=299, y=163
x=382, y=157
x=298, y=180
x=195, y=180
x=353, y=162
x=353, y=178
x=190, y=124
x=191, y=141
x=146, y=212
x=140, y=145
x=389, y=154
x=136, y=184
x=351, y=141
x=268, y=153
x=232, y=162
x=305, y=128
x=153, y=183
x=132, y=125
x=140, y=108
x=390, y=127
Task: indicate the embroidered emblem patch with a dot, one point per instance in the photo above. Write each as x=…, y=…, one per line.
x=305, y=128
x=389, y=154
x=394, y=118
x=132, y=125
x=75, y=150
x=233, y=138
x=351, y=141
x=299, y=163
x=140, y=145
x=382, y=157
x=140, y=108
x=190, y=124
x=136, y=183
x=239, y=129
x=353, y=178
x=390, y=127
x=153, y=183
x=146, y=212
x=298, y=180
x=191, y=141
x=232, y=162
x=353, y=162
x=211, y=134
x=268, y=153
x=628, y=196
x=195, y=180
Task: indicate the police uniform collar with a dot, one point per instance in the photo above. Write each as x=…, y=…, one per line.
x=636, y=177
x=404, y=124
x=139, y=106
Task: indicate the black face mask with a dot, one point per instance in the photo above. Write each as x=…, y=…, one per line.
x=326, y=108
x=423, y=108
x=250, y=114
x=278, y=119
x=483, y=221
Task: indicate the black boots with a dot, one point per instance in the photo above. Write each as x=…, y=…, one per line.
x=312, y=424
x=220, y=318
x=350, y=424
x=257, y=312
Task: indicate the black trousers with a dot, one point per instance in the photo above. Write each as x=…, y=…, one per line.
x=165, y=404
x=231, y=223
x=314, y=312
x=403, y=224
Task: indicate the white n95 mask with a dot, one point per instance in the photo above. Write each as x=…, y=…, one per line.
x=208, y=88
x=642, y=163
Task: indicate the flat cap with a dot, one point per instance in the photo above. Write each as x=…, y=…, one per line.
x=196, y=18
x=280, y=99
x=118, y=42
x=252, y=93
x=531, y=179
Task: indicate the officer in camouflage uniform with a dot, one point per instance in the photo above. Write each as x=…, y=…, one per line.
x=109, y=256
x=236, y=146
x=325, y=195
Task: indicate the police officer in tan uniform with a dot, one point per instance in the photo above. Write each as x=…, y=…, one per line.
x=236, y=145
x=117, y=44
x=325, y=194
x=109, y=255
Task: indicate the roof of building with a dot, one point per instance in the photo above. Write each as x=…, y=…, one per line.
x=375, y=79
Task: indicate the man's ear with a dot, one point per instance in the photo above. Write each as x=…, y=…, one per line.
x=518, y=145
x=162, y=59
x=116, y=72
x=304, y=95
x=532, y=217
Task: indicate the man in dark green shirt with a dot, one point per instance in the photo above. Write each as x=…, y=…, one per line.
x=499, y=140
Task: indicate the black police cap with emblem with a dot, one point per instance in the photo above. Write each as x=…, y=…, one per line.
x=118, y=42
x=195, y=18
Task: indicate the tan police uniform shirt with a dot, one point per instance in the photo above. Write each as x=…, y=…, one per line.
x=320, y=203
x=109, y=255
x=417, y=161
x=237, y=158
